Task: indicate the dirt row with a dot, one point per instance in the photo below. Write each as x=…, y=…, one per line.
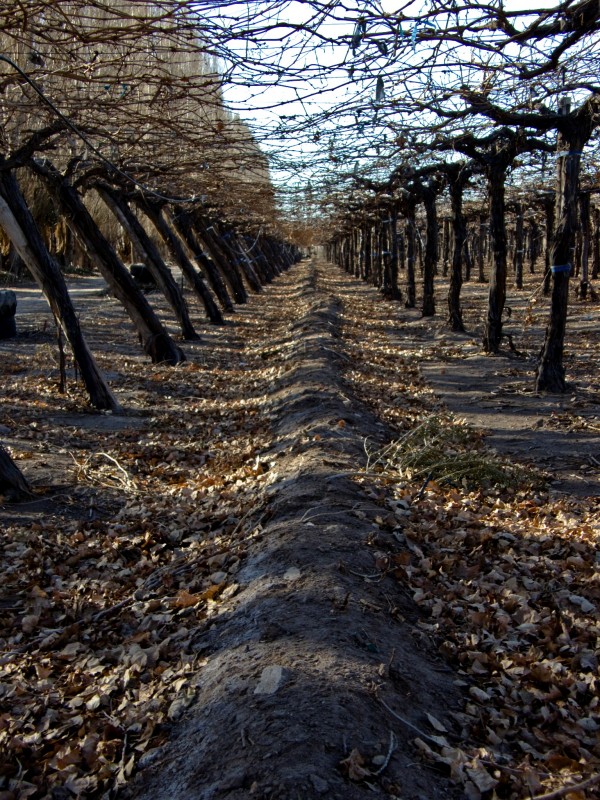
x=256, y=611
x=291, y=694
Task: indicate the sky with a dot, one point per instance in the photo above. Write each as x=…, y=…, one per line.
x=311, y=101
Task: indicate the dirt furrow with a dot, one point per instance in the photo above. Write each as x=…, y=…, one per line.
x=300, y=662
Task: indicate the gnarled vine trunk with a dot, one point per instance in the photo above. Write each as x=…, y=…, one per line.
x=460, y=234
x=411, y=253
x=497, y=292
x=152, y=257
x=549, y=213
x=584, y=267
x=19, y=225
x=154, y=337
x=185, y=228
x=519, y=246
x=390, y=254
x=431, y=249
x=154, y=213
x=551, y=372
x=12, y=481
x=228, y=267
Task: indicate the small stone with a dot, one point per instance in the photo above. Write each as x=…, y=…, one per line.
x=292, y=574
x=218, y=577
x=181, y=703
x=583, y=604
x=270, y=680
x=29, y=623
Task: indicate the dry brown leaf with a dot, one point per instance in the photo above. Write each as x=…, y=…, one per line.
x=353, y=766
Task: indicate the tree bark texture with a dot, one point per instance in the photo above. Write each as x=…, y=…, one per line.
x=393, y=245
x=229, y=245
x=356, y=252
x=431, y=250
x=550, y=219
x=551, y=372
x=481, y=250
x=584, y=232
x=534, y=245
x=401, y=251
x=596, y=245
x=411, y=252
x=250, y=253
x=368, y=250
x=8, y=308
x=459, y=235
x=519, y=245
x=390, y=257
x=229, y=268
x=446, y=247
x=468, y=257
x=497, y=291
x=275, y=256
x=376, y=273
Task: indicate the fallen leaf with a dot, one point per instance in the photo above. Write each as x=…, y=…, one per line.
x=353, y=766
x=436, y=724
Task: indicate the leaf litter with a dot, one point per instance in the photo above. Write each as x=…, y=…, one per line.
x=506, y=573
x=108, y=593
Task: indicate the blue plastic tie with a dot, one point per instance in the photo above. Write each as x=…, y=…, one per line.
x=556, y=269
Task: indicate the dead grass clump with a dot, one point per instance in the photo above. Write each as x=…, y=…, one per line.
x=445, y=449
